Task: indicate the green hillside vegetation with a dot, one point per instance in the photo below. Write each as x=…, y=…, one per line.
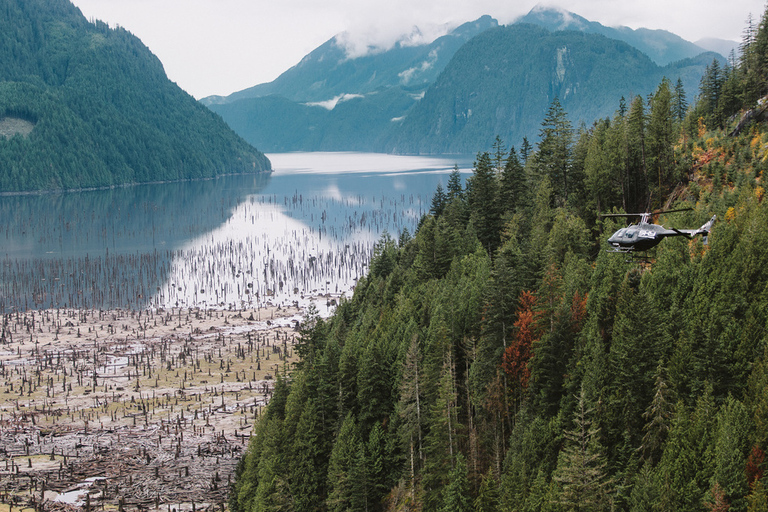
x=102, y=109
x=282, y=125
x=502, y=81
x=500, y=359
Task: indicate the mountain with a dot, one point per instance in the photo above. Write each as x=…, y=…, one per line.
x=661, y=46
x=329, y=72
x=330, y=101
x=722, y=46
x=503, y=81
x=499, y=82
x=85, y=105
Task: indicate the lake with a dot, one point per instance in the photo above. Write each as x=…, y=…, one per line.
x=306, y=229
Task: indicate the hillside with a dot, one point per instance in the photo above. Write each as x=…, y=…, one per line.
x=502, y=359
x=502, y=81
x=97, y=108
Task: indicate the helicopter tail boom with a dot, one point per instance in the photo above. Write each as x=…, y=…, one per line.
x=704, y=230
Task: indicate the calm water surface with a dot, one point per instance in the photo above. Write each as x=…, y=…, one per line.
x=306, y=229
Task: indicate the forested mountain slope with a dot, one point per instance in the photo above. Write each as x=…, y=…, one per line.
x=460, y=91
x=500, y=359
x=501, y=82
x=97, y=108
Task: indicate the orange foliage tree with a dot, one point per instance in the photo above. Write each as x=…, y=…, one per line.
x=519, y=352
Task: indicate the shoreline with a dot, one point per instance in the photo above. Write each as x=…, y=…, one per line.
x=134, y=409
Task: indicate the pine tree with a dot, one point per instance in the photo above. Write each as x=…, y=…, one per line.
x=456, y=496
x=378, y=468
x=455, y=187
x=636, y=191
x=581, y=467
x=483, y=202
x=660, y=143
x=488, y=496
x=525, y=150
x=346, y=484
x=513, y=187
x=410, y=405
x=439, y=201
x=554, y=157
x=658, y=417
x=731, y=447
x=519, y=352
x=499, y=153
x=679, y=101
x=440, y=444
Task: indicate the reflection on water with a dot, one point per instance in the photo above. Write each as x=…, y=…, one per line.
x=307, y=228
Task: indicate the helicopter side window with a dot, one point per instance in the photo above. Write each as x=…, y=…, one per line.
x=630, y=235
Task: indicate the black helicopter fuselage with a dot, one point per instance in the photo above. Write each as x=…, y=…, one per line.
x=645, y=235
x=639, y=237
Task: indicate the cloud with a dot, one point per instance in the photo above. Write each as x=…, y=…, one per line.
x=381, y=37
x=331, y=103
x=407, y=75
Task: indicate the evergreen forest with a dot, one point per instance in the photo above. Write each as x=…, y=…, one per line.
x=501, y=359
x=98, y=108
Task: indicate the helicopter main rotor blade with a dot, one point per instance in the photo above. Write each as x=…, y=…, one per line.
x=621, y=214
x=673, y=211
x=646, y=213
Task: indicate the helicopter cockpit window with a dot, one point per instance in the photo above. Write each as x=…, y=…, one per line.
x=631, y=235
x=620, y=233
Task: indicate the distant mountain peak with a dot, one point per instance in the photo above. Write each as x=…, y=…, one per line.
x=662, y=46
x=558, y=17
x=362, y=43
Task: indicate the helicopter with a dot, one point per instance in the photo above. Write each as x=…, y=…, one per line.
x=645, y=235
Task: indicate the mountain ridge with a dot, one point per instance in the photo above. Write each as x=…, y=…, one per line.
x=663, y=47
x=516, y=72
x=102, y=110
x=327, y=71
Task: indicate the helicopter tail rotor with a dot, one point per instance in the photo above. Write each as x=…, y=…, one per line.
x=704, y=230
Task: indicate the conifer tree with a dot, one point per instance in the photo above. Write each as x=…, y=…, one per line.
x=483, y=189
x=455, y=187
x=410, y=405
x=657, y=417
x=679, y=101
x=346, y=478
x=581, y=468
x=488, y=497
x=456, y=497
x=525, y=150
x=439, y=201
x=636, y=175
x=660, y=144
x=513, y=186
x=554, y=157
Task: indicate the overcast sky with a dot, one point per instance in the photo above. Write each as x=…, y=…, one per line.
x=222, y=46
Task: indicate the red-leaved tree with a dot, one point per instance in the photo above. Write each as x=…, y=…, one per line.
x=754, y=469
x=519, y=351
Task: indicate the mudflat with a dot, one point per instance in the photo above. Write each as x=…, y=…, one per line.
x=134, y=409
